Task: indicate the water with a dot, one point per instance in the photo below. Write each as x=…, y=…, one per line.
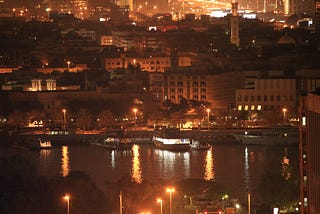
x=238, y=167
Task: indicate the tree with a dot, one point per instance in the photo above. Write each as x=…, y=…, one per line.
x=106, y=118
x=85, y=197
x=279, y=190
x=83, y=119
x=16, y=119
x=35, y=115
x=177, y=118
x=135, y=194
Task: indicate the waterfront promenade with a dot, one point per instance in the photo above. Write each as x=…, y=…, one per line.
x=138, y=135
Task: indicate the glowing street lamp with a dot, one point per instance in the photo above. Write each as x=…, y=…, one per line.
x=208, y=111
x=64, y=118
x=135, y=116
x=68, y=63
x=170, y=191
x=284, y=110
x=67, y=199
x=159, y=200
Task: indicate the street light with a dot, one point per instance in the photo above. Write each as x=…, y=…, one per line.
x=135, y=116
x=64, y=118
x=170, y=191
x=68, y=63
x=208, y=111
x=284, y=110
x=159, y=200
x=67, y=199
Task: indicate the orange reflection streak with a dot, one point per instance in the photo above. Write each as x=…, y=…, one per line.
x=136, y=166
x=44, y=154
x=209, y=173
x=65, y=168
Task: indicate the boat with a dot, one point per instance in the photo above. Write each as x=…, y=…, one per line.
x=274, y=136
x=40, y=144
x=170, y=139
x=199, y=144
x=115, y=141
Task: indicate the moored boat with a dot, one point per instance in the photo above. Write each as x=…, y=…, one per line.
x=199, y=144
x=171, y=139
x=273, y=136
x=40, y=144
x=115, y=141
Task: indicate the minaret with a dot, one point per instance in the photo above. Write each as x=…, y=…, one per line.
x=234, y=39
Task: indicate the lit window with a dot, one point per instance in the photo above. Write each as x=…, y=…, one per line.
x=305, y=202
x=239, y=107
x=304, y=121
x=246, y=107
x=259, y=107
x=252, y=107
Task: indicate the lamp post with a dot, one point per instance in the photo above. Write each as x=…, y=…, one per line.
x=284, y=110
x=68, y=63
x=67, y=199
x=120, y=202
x=170, y=191
x=135, y=116
x=208, y=111
x=159, y=200
x=64, y=118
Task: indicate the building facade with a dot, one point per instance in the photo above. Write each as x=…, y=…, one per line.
x=299, y=7
x=268, y=95
x=310, y=153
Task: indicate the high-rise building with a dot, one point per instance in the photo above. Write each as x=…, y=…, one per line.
x=299, y=7
x=310, y=153
x=234, y=39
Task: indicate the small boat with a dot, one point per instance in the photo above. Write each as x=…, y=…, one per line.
x=115, y=141
x=199, y=144
x=171, y=139
x=40, y=144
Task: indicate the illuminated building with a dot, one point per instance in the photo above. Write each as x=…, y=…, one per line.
x=298, y=7
x=234, y=39
x=185, y=85
x=63, y=6
x=269, y=94
x=150, y=64
x=126, y=4
x=310, y=153
x=80, y=8
x=147, y=63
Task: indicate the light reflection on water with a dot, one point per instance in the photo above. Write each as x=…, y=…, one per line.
x=170, y=163
x=65, y=167
x=136, y=174
x=237, y=167
x=246, y=169
x=209, y=166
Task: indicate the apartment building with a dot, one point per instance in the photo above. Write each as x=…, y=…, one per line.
x=268, y=95
x=310, y=153
x=182, y=85
x=146, y=63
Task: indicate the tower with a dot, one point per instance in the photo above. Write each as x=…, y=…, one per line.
x=234, y=39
